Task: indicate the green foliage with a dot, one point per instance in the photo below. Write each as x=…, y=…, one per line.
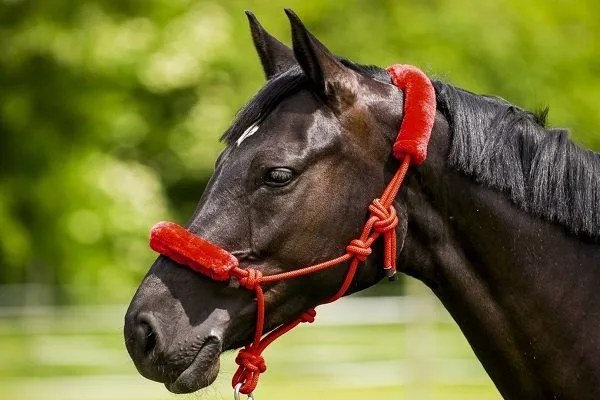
x=110, y=111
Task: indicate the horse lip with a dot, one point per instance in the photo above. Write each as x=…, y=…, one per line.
x=202, y=371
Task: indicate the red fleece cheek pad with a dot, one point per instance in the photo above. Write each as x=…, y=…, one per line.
x=419, y=112
x=182, y=246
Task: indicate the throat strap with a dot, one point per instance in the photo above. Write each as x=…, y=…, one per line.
x=182, y=246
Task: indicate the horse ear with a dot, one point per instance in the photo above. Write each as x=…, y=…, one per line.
x=337, y=83
x=275, y=56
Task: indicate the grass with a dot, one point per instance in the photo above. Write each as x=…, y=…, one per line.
x=79, y=353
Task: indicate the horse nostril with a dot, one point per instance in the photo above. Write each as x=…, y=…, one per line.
x=148, y=335
x=146, y=344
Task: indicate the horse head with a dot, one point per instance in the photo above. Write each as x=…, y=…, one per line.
x=303, y=161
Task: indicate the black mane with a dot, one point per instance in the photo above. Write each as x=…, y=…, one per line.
x=510, y=149
x=498, y=144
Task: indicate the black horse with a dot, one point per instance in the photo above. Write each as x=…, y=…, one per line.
x=502, y=223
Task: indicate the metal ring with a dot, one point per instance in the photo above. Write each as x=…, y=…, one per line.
x=236, y=393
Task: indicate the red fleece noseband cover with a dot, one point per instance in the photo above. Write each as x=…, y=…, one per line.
x=182, y=246
x=419, y=112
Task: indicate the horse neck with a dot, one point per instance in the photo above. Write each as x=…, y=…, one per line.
x=520, y=288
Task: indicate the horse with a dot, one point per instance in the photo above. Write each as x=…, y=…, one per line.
x=501, y=222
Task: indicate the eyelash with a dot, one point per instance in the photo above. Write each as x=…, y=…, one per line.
x=278, y=177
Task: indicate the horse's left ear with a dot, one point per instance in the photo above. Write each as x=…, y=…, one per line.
x=275, y=56
x=334, y=81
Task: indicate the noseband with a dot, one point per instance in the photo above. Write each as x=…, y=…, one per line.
x=183, y=247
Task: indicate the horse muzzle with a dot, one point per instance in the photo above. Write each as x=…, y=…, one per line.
x=173, y=335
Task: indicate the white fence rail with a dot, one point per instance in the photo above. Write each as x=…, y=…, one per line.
x=339, y=351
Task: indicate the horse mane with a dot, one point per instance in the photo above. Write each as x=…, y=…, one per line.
x=541, y=170
x=498, y=144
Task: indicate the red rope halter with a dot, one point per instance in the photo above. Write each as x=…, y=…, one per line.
x=185, y=248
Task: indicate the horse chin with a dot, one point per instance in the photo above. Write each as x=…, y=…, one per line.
x=202, y=371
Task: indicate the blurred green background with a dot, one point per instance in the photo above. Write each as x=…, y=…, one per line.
x=110, y=113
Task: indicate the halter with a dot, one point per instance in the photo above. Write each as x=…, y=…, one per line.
x=183, y=247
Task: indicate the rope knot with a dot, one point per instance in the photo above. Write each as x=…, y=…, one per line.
x=251, y=362
x=387, y=219
x=251, y=279
x=359, y=249
x=309, y=316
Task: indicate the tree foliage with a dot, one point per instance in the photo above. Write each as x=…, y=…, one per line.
x=110, y=111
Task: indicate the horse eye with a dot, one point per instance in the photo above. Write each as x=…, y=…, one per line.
x=276, y=177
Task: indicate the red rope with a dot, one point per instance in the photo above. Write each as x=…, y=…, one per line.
x=382, y=221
